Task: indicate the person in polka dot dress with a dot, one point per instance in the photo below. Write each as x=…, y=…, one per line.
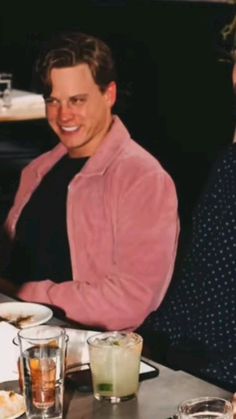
x=195, y=327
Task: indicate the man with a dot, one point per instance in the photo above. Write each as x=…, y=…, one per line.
x=94, y=225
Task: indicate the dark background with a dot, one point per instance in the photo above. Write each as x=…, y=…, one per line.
x=176, y=93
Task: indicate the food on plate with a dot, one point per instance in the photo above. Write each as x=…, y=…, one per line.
x=23, y=315
x=12, y=404
x=17, y=321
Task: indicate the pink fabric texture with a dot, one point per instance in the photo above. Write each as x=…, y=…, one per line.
x=123, y=227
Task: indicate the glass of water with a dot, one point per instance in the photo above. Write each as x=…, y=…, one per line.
x=6, y=89
x=205, y=408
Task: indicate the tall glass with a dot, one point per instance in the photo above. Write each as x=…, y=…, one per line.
x=205, y=408
x=115, y=364
x=6, y=89
x=42, y=366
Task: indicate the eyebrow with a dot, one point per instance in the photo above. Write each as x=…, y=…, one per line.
x=77, y=96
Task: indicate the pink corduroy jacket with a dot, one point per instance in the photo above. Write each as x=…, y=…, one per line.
x=123, y=228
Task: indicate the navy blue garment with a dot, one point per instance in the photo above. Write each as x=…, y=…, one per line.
x=196, y=323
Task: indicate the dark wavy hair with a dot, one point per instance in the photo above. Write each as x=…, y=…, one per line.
x=71, y=49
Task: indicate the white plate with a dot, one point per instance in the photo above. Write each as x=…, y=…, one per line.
x=38, y=314
x=12, y=405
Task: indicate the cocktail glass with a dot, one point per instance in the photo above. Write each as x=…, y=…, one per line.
x=115, y=364
x=205, y=408
x=6, y=89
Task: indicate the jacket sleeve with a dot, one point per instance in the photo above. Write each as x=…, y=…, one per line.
x=146, y=241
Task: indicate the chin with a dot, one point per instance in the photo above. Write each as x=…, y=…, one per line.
x=71, y=143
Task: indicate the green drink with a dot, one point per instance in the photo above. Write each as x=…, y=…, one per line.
x=115, y=363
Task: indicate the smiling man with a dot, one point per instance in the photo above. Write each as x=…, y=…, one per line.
x=77, y=110
x=94, y=225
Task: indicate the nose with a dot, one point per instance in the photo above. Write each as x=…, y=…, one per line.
x=64, y=112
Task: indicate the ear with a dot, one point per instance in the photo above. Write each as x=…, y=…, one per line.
x=234, y=76
x=111, y=93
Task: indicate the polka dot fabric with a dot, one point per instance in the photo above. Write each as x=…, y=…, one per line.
x=200, y=306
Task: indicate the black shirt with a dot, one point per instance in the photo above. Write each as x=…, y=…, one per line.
x=41, y=248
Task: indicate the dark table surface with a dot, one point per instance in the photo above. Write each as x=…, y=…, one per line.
x=157, y=398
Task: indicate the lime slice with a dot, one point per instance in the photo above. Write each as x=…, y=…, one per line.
x=105, y=387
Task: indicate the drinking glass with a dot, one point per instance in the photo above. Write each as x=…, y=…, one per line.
x=6, y=89
x=42, y=365
x=205, y=408
x=115, y=364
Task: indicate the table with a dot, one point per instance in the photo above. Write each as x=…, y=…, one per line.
x=158, y=397
x=25, y=106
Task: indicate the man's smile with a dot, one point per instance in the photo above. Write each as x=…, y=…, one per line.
x=70, y=129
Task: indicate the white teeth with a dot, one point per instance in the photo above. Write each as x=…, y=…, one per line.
x=69, y=129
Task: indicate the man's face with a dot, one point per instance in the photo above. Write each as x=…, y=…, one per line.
x=77, y=111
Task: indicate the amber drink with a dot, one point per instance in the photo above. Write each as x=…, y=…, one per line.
x=42, y=373
x=43, y=361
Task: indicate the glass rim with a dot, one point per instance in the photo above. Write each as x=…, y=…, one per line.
x=56, y=332
x=90, y=340
x=5, y=74
x=201, y=399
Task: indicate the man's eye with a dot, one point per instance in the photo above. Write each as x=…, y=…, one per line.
x=77, y=100
x=50, y=101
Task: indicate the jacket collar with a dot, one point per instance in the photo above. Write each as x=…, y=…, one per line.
x=108, y=150
x=97, y=164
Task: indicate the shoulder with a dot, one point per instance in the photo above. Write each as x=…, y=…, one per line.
x=128, y=155
x=45, y=159
x=135, y=170
x=137, y=161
